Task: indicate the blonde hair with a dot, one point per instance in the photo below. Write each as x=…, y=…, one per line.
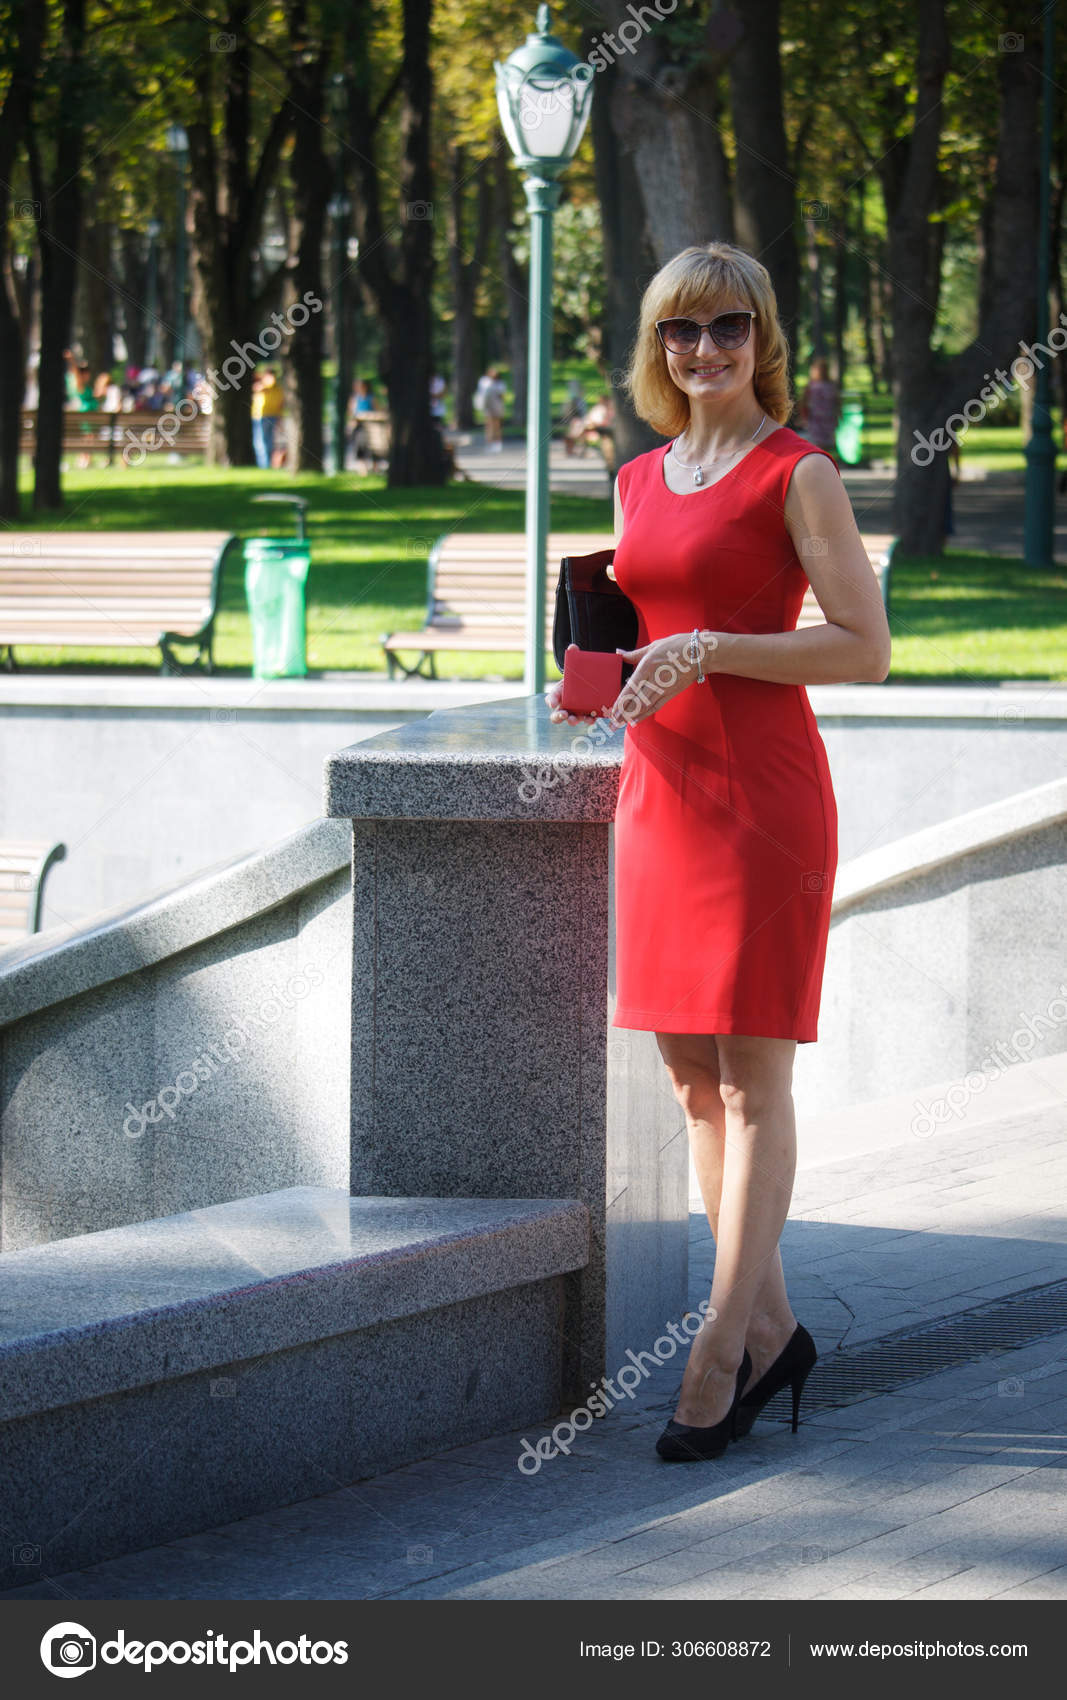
x=716, y=272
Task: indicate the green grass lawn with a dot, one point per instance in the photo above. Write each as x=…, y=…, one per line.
x=962, y=617
x=976, y=618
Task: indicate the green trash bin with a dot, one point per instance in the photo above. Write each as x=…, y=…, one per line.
x=276, y=570
x=849, y=438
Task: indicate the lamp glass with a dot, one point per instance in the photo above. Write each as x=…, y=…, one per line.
x=543, y=117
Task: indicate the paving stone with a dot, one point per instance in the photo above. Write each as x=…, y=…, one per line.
x=976, y=1582
x=1051, y=1586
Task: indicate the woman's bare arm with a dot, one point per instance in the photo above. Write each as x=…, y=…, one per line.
x=854, y=644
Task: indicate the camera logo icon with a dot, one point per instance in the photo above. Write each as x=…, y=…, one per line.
x=68, y=1649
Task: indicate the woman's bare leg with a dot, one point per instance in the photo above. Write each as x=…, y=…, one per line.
x=735, y=1092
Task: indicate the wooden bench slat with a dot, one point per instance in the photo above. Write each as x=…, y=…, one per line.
x=102, y=610
x=503, y=641
x=119, y=547
x=117, y=635
x=88, y=608
x=90, y=566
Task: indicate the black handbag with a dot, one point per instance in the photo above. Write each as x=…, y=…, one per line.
x=591, y=609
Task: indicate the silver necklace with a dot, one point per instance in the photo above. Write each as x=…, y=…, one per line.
x=698, y=471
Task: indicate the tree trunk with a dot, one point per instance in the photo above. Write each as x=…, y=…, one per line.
x=516, y=285
x=764, y=198
x=60, y=238
x=665, y=115
x=227, y=200
x=932, y=391
x=865, y=295
x=661, y=176
x=883, y=335
x=466, y=276
x=95, y=298
x=812, y=260
x=25, y=290
x=311, y=184
x=840, y=235
x=1058, y=303
x=401, y=280
x=25, y=54
x=134, y=272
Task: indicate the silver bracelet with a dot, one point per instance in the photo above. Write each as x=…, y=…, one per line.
x=692, y=652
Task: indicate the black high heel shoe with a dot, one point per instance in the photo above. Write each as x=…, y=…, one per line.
x=793, y=1364
x=681, y=1443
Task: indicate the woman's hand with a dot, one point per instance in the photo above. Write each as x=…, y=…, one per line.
x=662, y=670
x=555, y=712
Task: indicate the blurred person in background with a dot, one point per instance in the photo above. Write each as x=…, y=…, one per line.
x=820, y=406
x=267, y=408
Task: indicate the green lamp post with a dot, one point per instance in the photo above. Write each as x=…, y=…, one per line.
x=543, y=93
x=1039, y=515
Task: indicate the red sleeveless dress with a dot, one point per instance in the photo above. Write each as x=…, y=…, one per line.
x=725, y=832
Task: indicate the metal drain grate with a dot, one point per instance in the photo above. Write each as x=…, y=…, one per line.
x=840, y=1378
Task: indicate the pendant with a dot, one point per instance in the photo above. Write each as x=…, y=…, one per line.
x=698, y=476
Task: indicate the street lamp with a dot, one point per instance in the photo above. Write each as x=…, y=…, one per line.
x=178, y=148
x=1038, y=530
x=544, y=94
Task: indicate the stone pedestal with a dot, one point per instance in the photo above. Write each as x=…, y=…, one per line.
x=484, y=1064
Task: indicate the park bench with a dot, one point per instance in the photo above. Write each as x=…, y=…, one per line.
x=476, y=595
x=24, y=862
x=127, y=589
x=109, y=434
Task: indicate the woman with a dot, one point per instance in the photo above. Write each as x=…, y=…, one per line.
x=820, y=407
x=573, y=418
x=360, y=401
x=726, y=822
x=490, y=399
x=268, y=405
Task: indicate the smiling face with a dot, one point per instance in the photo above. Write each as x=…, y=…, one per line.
x=711, y=373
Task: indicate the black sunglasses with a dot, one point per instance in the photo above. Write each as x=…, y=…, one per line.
x=728, y=330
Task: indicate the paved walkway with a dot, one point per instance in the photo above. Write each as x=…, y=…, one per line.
x=988, y=511
x=949, y=1487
